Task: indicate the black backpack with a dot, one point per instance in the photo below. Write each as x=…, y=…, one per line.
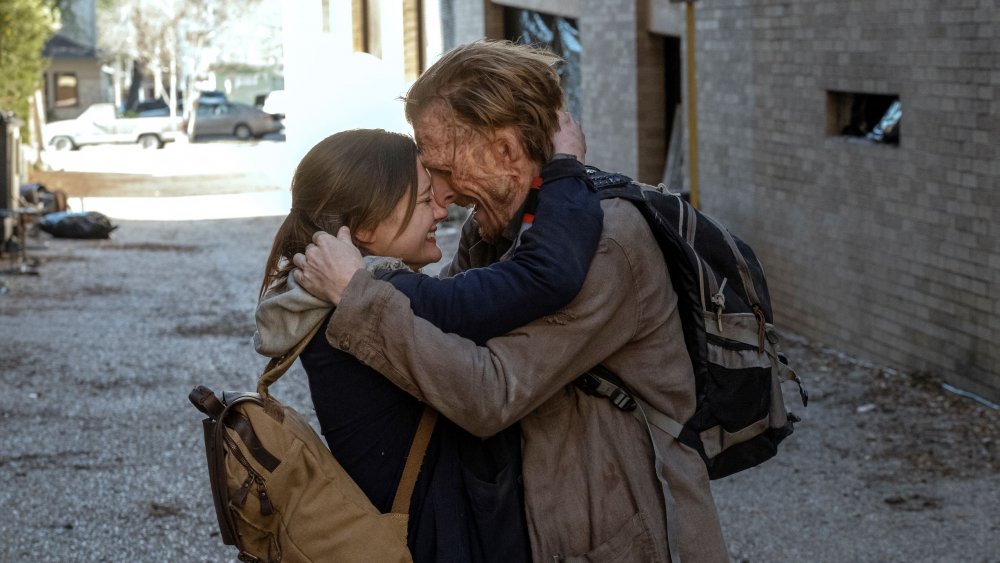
x=725, y=311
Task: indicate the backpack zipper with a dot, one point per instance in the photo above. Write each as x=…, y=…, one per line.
x=761, y=327
x=266, y=508
x=719, y=300
x=240, y=498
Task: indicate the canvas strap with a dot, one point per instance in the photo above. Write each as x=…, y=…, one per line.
x=278, y=366
x=414, y=459
x=669, y=502
x=425, y=428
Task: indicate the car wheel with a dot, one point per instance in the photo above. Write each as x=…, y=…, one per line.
x=63, y=144
x=150, y=142
x=242, y=132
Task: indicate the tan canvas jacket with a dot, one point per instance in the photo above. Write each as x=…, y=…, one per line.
x=593, y=484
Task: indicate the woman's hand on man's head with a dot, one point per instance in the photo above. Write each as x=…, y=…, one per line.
x=569, y=139
x=327, y=265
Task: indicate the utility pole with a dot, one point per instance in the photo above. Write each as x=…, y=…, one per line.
x=692, y=103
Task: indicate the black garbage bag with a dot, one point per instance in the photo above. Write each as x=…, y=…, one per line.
x=77, y=224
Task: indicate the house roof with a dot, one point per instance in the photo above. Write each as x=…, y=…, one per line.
x=59, y=47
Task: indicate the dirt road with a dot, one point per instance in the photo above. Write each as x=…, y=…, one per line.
x=101, y=454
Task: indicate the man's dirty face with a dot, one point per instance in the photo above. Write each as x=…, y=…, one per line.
x=466, y=169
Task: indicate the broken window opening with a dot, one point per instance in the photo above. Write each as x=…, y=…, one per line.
x=559, y=34
x=873, y=117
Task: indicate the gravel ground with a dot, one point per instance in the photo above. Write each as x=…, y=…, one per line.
x=101, y=454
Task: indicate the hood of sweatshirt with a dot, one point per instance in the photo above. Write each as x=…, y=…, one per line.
x=288, y=313
x=285, y=315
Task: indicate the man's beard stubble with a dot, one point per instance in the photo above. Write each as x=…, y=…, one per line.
x=498, y=213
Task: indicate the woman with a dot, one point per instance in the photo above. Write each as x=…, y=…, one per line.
x=467, y=503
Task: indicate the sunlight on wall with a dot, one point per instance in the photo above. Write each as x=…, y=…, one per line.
x=329, y=87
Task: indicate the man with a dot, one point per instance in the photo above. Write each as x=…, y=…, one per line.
x=598, y=485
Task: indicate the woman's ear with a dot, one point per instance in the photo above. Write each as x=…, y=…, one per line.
x=364, y=236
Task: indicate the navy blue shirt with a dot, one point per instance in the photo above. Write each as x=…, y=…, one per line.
x=468, y=501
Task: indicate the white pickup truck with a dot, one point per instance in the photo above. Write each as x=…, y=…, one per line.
x=100, y=123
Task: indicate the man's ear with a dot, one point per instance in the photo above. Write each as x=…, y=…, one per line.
x=507, y=145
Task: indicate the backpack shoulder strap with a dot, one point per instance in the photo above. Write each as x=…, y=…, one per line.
x=414, y=459
x=418, y=448
x=613, y=184
x=602, y=179
x=278, y=366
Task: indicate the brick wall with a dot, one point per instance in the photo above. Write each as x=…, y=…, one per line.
x=470, y=20
x=615, y=118
x=888, y=252
x=608, y=69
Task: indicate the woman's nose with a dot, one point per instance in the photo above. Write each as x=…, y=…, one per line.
x=440, y=211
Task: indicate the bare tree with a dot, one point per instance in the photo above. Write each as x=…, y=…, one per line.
x=171, y=39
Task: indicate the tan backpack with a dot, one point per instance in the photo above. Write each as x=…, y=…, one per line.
x=279, y=493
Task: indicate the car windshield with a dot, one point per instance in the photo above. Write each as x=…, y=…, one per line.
x=213, y=109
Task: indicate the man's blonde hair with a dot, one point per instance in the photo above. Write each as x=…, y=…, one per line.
x=493, y=84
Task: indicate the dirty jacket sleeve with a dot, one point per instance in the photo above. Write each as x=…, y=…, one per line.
x=545, y=273
x=486, y=388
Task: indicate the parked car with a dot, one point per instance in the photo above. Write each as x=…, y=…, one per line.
x=157, y=108
x=212, y=97
x=231, y=118
x=101, y=123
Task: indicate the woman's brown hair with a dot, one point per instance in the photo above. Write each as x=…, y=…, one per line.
x=352, y=178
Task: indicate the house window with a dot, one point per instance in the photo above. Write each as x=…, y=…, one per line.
x=67, y=92
x=873, y=117
x=559, y=34
x=368, y=26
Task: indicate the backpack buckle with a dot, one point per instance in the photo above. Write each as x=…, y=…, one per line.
x=603, y=387
x=622, y=400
